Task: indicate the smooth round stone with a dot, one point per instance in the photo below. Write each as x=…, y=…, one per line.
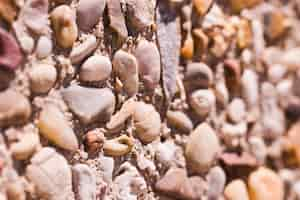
x=95, y=68
x=236, y=190
x=44, y=47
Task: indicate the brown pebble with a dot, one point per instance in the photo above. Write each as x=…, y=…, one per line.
x=14, y=108
x=94, y=141
x=8, y=10
x=202, y=6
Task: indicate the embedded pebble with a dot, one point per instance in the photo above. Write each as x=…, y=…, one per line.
x=175, y=183
x=89, y=104
x=203, y=101
x=179, y=120
x=84, y=182
x=14, y=108
x=63, y=20
x=89, y=13
x=50, y=173
x=237, y=110
x=202, y=148
x=236, y=190
x=42, y=77
x=141, y=13
x=95, y=68
x=198, y=75
x=149, y=67
x=250, y=88
x=43, y=47
x=53, y=126
x=216, y=179
x=26, y=146
x=126, y=68
x=84, y=49
x=265, y=184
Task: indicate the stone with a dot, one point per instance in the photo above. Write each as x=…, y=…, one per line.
x=84, y=49
x=149, y=68
x=11, y=56
x=126, y=68
x=202, y=148
x=44, y=47
x=265, y=184
x=89, y=104
x=84, y=182
x=236, y=190
x=180, y=121
x=53, y=126
x=89, y=13
x=236, y=110
x=15, y=108
x=50, y=173
x=42, y=78
x=95, y=68
x=216, y=179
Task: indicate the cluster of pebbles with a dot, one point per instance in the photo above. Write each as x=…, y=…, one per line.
x=149, y=99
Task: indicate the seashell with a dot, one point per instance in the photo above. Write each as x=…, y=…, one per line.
x=119, y=146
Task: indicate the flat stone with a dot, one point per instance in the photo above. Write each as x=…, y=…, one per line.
x=89, y=104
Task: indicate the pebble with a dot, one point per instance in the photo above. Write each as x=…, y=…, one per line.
x=89, y=13
x=25, y=147
x=50, y=173
x=202, y=6
x=276, y=73
x=140, y=13
x=14, y=108
x=11, y=56
x=216, y=179
x=126, y=68
x=26, y=44
x=117, y=19
x=119, y=146
x=294, y=138
x=236, y=190
x=265, y=184
x=53, y=126
x=175, y=183
x=89, y=104
x=95, y=68
x=203, y=101
x=179, y=120
x=84, y=182
x=202, y=148
x=43, y=47
x=149, y=67
x=42, y=77
x=198, y=75
x=250, y=92
x=84, y=49
x=236, y=110
x=63, y=20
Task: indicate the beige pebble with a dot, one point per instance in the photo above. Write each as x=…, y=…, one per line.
x=236, y=190
x=44, y=47
x=63, y=20
x=42, y=77
x=265, y=184
x=95, y=68
x=179, y=120
x=202, y=148
x=203, y=101
x=149, y=67
x=50, y=173
x=84, y=49
x=236, y=110
x=126, y=68
x=14, y=108
x=216, y=180
x=53, y=126
x=26, y=146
